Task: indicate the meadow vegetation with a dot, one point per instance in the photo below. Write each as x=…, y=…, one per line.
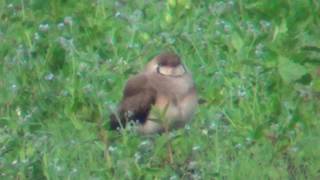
x=63, y=64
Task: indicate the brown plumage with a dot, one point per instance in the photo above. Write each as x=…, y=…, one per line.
x=164, y=86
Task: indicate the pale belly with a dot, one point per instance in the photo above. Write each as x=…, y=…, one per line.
x=175, y=114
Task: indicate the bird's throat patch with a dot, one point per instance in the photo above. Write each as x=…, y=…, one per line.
x=171, y=71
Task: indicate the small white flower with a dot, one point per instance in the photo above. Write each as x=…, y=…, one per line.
x=174, y=177
x=88, y=88
x=49, y=77
x=192, y=165
x=242, y=92
x=66, y=44
x=227, y=27
x=74, y=170
x=58, y=168
x=68, y=20
x=36, y=36
x=238, y=146
x=196, y=176
x=3, y=148
x=44, y=27
x=251, y=28
x=117, y=14
x=205, y=132
x=60, y=25
x=137, y=156
x=83, y=66
x=219, y=22
x=144, y=143
x=294, y=149
x=14, y=87
x=64, y=93
x=231, y=3
x=249, y=140
x=217, y=33
x=14, y=162
x=275, y=126
x=213, y=125
x=259, y=50
x=18, y=111
x=129, y=114
x=265, y=24
x=111, y=148
x=132, y=45
x=195, y=148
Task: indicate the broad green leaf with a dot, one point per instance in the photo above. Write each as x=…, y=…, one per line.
x=316, y=85
x=281, y=29
x=237, y=41
x=289, y=70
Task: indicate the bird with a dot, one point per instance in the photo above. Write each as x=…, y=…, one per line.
x=161, y=98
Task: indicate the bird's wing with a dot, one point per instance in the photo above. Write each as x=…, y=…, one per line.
x=138, y=98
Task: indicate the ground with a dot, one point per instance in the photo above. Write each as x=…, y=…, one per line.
x=64, y=63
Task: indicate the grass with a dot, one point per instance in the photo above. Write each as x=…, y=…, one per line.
x=63, y=65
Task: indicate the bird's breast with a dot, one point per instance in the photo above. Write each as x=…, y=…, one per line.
x=177, y=112
x=176, y=99
x=179, y=109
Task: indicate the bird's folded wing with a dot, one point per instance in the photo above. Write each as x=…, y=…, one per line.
x=138, y=98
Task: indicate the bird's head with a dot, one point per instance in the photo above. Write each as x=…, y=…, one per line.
x=167, y=64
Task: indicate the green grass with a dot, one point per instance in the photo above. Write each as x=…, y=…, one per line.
x=63, y=65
